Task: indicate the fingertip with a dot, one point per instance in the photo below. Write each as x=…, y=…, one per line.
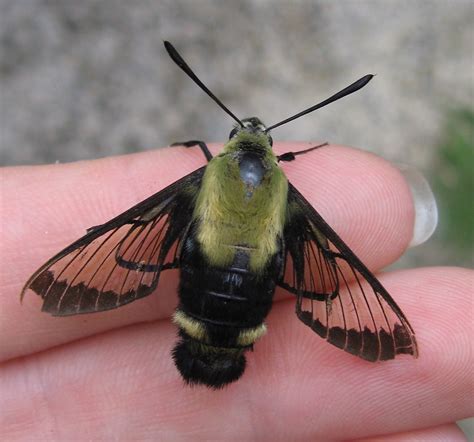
x=424, y=202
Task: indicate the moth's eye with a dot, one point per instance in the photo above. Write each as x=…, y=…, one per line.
x=270, y=140
x=233, y=132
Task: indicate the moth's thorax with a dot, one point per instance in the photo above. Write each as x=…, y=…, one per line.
x=242, y=202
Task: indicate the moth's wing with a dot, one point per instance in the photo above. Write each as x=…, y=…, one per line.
x=337, y=296
x=121, y=260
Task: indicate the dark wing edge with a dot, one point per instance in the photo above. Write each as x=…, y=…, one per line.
x=337, y=295
x=120, y=261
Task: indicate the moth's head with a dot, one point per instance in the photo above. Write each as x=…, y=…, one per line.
x=252, y=125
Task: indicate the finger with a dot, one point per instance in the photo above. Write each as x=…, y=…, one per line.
x=442, y=433
x=50, y=206
x=295, y=386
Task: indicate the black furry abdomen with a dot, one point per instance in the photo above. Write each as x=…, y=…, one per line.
x=212, y=366
x=223, y=305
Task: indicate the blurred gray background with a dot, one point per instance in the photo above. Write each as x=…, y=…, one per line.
x=87, y=79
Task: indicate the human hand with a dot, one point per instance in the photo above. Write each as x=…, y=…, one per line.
x=111, y=376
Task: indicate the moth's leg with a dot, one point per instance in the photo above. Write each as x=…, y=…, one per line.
x=330, y=258
x=315, y=296
x=202, y=145
x=290, y=156
x=141, y=267
x=93, y=228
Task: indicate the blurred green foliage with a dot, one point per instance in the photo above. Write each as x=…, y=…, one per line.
x=454, y=183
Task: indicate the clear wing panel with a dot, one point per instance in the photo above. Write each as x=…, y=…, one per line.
x=120, y=261
x=337, y=296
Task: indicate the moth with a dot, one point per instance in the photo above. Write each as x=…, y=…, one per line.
x=236, y=229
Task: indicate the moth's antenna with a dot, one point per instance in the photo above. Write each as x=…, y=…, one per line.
x=348, y=90
x=173, y=53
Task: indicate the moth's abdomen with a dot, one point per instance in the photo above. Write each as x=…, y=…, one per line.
x=220, y=315
x=200, y=363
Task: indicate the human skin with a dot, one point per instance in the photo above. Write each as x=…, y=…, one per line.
x=110, y=375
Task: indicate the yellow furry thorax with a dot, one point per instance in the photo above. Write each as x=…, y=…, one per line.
x=227, y=218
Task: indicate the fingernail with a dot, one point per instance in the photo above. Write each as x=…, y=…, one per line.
x=426, y=211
